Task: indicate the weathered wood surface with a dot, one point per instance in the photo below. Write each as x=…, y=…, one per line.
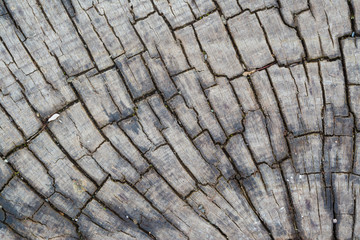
x=179, y=119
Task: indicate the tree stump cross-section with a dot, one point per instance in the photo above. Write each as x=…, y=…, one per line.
x=179, y=119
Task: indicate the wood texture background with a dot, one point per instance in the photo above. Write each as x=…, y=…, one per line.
x=179, y=119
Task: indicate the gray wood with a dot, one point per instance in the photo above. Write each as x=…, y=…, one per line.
x=168, y=166
x=136, y=76
x=227, y=109
x=195, y=56
x=334, y=87
x=182, y=216
x=314, y=215
x=214, y=155
x=229, y=7
x=356, y=6
x=187, y=115
x=257, y=4
x=150, y=30
x=8, y=129
x=97, y=221
x=283, y=40
x=302, y=114
x=178, y=13
x=30, y=216
x=354, y=95
x=266, y=191
x=221, y=54
x=246, y=30
x=351, y=51
x=179, y=119
x=322, y=25
x=161, y=77
x=289, y=9
x=306, y=153
x=105, y=96
x=127, y=203
x=195, y=98
x=117, y=17
x=269, y=105
x=346, y=187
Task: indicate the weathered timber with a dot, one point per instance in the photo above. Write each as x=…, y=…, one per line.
x=179, y=119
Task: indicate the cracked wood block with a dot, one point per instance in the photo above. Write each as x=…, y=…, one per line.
x=125, y=147
x=227, y=208
x=337, y=125
x=128, y=203
x=356, y=7
x=194, y=96
x=110, y=161
x=92, y=39
x=229, y=7
x=346, y=207
x=313, y=208
x=136, y=75
x=354, y=99
x=290, y=8
x=227, y=109
x=147, y=124
x=105, y=96
x=322, y=25
x=241, y=156
x=171, y=169
x=267, y=192
x=45, y=94
x=283, y=40
x=7, y=128
x=351, y=51
x=245, y=94
x=132, y=9
x=134, y=130
x=257, y=138
x=178, y=13
x=150, y=29
x=139, y=8
x=161, y=77
x=257, y=4
x=106, y=32
x=30, y=217
x=84, y=143
x=338, y=156
x=214, y=155
x=216, y=43
x=196, y=57
x=334, y=87
x=97, y=221
x=245, y=29
x=206, y=119
x=15, y=104
x=306, y=153
x=270, y=107
x=117, y=17
x=49, y=23
x=62, y=183
x=302, y=113
x=181, y=215
x=76, y=133
x=182, y=145
x=187, y=115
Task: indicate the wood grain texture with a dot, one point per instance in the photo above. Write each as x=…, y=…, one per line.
x=179, y=119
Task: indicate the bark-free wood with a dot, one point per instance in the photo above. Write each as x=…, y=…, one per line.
x=179, y=119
